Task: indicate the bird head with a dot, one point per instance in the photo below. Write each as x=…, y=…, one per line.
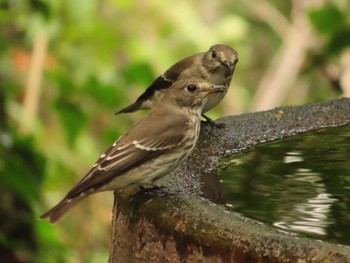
x=191, y=93
x=221, y=57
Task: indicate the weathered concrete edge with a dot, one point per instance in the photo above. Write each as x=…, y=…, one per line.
x=189, y=227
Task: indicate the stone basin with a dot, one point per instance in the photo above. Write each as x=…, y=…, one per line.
x=183, y=226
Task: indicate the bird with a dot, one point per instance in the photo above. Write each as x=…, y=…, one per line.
x=150, y=149
x=216, y=65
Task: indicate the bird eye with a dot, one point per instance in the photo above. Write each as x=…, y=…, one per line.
x=191, y=87
x=213, y=54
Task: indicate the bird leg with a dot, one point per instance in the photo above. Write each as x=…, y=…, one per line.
x=212, y=123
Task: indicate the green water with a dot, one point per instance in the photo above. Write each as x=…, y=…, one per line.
x=300, y=185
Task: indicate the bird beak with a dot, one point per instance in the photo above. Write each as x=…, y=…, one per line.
x=214, y=89
x=226, y=64
x=230, y=65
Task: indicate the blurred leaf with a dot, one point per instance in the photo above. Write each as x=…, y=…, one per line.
x=338, y=42
x=21, y=168
x=50, y=241
x=327, y=19
x=21, y=174
x=72, y=118
x=139, y=72
x=106, y=95
x=40, y=7
x=63, y=81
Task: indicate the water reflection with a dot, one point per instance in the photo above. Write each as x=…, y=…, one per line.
x=316, y=216
x=293, y=157
x=299, y=185
x=212, y=188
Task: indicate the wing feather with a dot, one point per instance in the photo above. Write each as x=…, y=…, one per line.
x=120, y=159
x=168, y=78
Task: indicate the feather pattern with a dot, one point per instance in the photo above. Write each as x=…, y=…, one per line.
x=127, y=154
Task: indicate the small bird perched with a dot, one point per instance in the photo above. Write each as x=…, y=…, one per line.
x=150, y=149
x=215, y=65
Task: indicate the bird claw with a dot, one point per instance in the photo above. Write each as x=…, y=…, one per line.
x=153, y=191
x=212, y=123
x=218, y=125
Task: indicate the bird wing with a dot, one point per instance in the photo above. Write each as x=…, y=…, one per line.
x=169, y=77
x=161, y=82
x=158, y=84
x=122, y=157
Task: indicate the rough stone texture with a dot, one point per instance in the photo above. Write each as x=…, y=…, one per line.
x=184, y=227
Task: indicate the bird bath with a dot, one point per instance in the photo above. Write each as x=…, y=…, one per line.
x=185, y=227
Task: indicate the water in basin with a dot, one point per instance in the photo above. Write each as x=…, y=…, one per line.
x=300, y=185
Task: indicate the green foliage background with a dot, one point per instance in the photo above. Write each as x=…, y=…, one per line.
x=101, y=55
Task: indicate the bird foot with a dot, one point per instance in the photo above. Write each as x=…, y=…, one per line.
x=153, y=191
x=212, y=123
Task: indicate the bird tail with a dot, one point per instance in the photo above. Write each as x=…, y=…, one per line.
x=55, y=213
x=131, y=108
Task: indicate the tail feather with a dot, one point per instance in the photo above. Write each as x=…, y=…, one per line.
x=131, y=108
x=55, y=213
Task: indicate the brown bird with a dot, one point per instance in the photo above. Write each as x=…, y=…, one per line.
x=150, y=149
x=215, y=65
